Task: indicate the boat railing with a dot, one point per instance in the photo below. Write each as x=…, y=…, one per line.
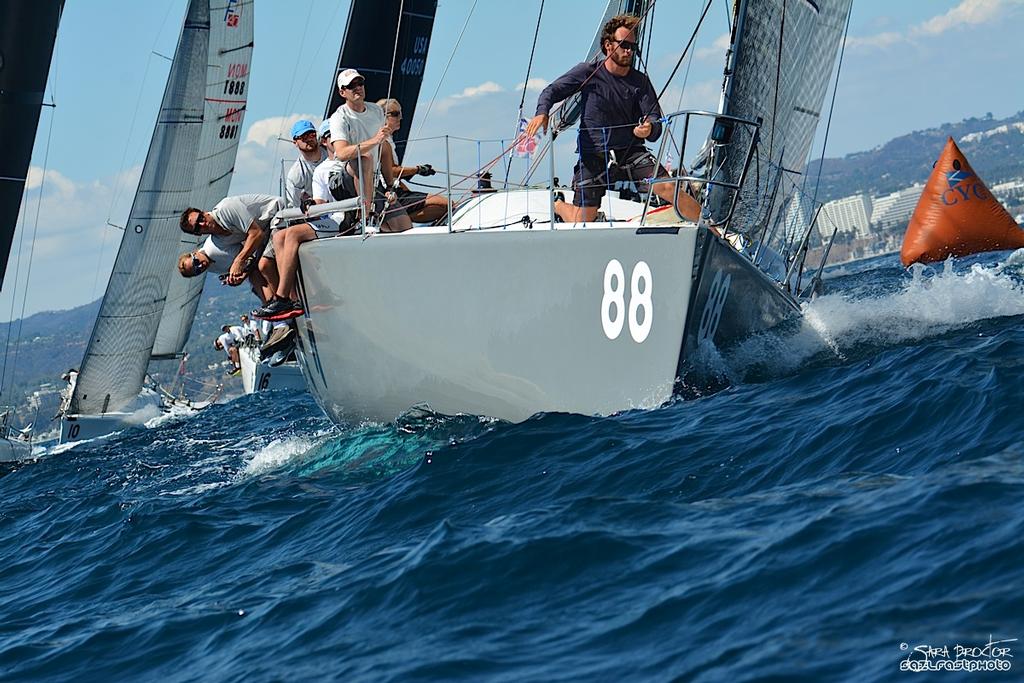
x=722, y=131
x=673, y=147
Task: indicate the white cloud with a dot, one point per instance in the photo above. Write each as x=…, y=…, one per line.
x=478, y=90
x=968, y=12
x=716, y=50
x=532, y=85
x=266, y=131
x=53, y=180
x=875, y=42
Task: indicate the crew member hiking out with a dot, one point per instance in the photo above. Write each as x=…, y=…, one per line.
x=620, y=112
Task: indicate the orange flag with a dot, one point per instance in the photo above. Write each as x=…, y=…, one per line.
x=957, y=215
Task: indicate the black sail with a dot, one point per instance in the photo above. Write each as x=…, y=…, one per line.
x=27, y=33
x=369, y=47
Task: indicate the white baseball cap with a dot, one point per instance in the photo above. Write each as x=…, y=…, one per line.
x=347, y=76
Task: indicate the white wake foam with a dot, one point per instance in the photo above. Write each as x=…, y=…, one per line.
x=935, y=300
x=277, y=453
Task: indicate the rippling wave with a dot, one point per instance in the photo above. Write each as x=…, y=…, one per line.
x=853, y=495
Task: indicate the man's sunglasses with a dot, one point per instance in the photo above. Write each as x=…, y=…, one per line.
x=197, y=227
x=395, y=114
x=356, y=83
x=628, y=45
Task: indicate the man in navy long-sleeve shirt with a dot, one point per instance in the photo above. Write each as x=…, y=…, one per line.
x=620, y=111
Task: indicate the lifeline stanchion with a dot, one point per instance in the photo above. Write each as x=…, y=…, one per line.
x=448, y=175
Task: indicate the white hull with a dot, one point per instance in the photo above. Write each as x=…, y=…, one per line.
x=85, y=427
x=504, y=323
x=257, y=376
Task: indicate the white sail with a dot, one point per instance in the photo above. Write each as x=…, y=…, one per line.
x=122, y=338
x=783, y=52
x=227, y=87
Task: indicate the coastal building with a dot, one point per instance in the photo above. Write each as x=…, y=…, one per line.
x=893, y=211
x=850, y=215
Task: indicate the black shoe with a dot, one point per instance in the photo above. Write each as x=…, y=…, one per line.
x=279, y=309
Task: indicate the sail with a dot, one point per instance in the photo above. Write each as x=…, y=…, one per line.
x=122, y=338
x=227, y=79
x=569, y=112
x=27, y=33
x=957, y=215
x=782, y=52
x=369, y=47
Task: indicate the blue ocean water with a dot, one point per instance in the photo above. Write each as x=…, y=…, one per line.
x=855, y=495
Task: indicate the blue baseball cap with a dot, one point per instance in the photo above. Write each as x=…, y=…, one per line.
x=324, y=128
x=301, y=127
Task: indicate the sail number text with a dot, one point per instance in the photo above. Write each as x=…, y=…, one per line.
x=640, y=310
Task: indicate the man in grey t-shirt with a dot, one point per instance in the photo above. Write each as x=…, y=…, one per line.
x=298, y=183
x=243, y=219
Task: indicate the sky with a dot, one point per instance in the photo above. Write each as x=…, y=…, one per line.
x=908, y=65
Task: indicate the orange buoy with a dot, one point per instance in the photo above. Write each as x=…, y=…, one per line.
x=957, y=215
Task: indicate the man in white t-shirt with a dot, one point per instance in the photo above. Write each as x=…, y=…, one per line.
x=250, y=329
x=298, y=183
x=228, y=342
x=358, y=130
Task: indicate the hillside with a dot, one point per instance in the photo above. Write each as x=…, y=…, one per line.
x=51, y=342
x=995, y=148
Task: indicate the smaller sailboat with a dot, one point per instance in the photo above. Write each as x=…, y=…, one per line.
x=27, y=35
x=142, y=316
x=259, y=375
x=957, y=215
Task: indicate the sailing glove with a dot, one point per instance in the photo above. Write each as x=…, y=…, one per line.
x=425, y=170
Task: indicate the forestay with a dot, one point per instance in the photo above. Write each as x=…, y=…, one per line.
x=369, y=47
x=783, y=52
x=27, y=33
x=227, y=79
x=122, y=338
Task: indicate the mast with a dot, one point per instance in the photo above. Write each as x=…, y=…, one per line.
x=122, y=338
x=227, y=90
x=369, y=47
x=27, y=33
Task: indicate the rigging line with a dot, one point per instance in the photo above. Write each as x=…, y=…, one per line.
x=14, y=295
x=686, y=49
x=835, y=88
x=778, y=80
x=291, y=90
x=135, y=115
x=445, y=72
x=650, y=28
x=391, y=80
x=32, y=246
x=526, y=82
